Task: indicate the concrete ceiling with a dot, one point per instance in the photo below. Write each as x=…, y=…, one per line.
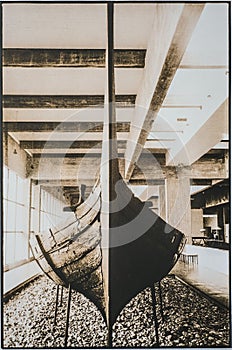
x=195, y=93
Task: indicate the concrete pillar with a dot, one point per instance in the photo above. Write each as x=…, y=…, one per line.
x=226, y=216
x=162, y=202
x=196, y=222
x=177, y=194
x=220, y=221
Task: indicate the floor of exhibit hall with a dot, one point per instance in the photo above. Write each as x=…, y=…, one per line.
x=210, y=274
x=190, y=319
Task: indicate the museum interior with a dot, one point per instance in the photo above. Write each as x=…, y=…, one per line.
x=160, y=71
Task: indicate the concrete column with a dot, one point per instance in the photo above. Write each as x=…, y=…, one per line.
x=196, y=222
x=226, y=217
x=177, y=194
x=220, y=221
x=162, y=202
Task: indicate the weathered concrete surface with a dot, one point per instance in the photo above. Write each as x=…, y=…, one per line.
x=71, y=58
x=65, y=101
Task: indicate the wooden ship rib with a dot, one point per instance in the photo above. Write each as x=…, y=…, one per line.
x=142, y=248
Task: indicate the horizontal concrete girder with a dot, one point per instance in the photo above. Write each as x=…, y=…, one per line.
x=62, y=126
x=63, y=115
x=145, y=172
x=43, y=145
x=64, y=101
x=13, y=57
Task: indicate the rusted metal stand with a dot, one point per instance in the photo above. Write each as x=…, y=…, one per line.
x=154, y=314
x=110, y=337
x=67, y=316
x=61, y=296
x=56, y=307
x=161, y=301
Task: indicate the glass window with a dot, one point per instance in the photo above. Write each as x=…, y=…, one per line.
x=51, y=211
x=11, y=212
x=12, y=189
x=21, y=243
x=15, y=214
x=5, y=182
x=4, y=214
x=22, y=191
x=21, y=222
x=9, y=252
x=34, y=219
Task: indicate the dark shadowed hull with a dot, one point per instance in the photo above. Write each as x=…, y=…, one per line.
x=144, y=248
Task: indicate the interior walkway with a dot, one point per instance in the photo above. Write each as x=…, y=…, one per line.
x=210, y=276
x=17, y=277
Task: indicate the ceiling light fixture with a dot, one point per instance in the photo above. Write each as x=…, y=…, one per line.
x=182, y=119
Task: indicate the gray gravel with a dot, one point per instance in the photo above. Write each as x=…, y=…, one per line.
x=190, y=320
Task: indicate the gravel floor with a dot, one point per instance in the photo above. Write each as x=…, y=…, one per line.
x=190, y=320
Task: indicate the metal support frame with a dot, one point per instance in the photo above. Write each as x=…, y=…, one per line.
x=154, y=314
x=56, y=306
x=161, y=301
x=111, y=137
x=110, y=340
x=61, y=296
x=67, y=316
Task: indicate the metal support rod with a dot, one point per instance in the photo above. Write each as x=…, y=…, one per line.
x=61, y=296
x=67, y=316
x=56, y=307
x=154, y=314
x=110, y=345
x=161, y=301
x=112, y=137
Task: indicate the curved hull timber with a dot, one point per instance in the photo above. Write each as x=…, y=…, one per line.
x=143, y=249
x=72, y=255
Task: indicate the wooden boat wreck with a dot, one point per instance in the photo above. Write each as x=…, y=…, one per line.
x=73, y=254
x=142, y=248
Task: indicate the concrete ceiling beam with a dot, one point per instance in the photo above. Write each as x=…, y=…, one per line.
x=163, y=58
x=45, y=145
x=61, y=127
x=79, y=58
x=64, y=101
x=202, y=140
x=145, y=173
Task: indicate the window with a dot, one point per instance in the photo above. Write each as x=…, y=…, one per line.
x=51, y=212
x=15, y=216
x=27, y=209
